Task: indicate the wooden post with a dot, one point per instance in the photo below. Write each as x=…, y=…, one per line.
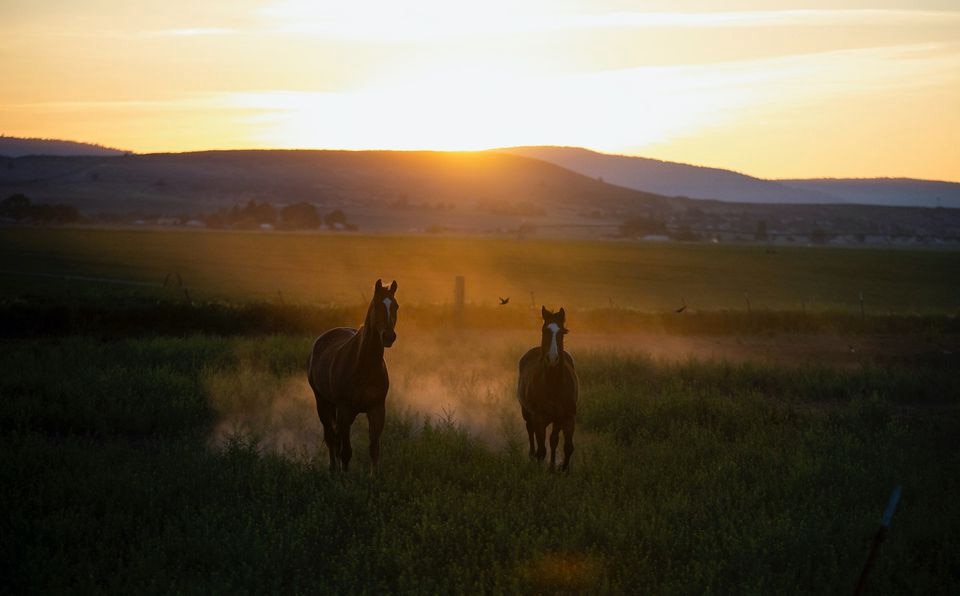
x=459, y=296
x=747, y=296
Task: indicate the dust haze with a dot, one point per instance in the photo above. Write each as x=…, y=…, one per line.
x=466, y=378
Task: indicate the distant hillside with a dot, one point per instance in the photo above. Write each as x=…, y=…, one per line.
x=907, y=192
x=401, y=191
x=493, y=182
x=17, y=147
x=672, y=179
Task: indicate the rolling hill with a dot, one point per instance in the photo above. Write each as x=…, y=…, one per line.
x=18, y=147
x=676, y=179
x=494, y=182
x=473, y=192
x=670, y=178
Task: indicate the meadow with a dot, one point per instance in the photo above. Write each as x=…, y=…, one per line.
x=154, y=443
x=312, y=268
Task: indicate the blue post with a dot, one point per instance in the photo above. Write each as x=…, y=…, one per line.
x=877, y=539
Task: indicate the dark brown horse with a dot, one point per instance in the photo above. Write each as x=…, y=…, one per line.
x=548, y=390
x=348, y=377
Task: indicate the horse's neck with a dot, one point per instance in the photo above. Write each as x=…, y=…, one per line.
x=369, y=348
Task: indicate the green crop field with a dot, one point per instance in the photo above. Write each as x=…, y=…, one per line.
x=322, y=268
x=150, y=443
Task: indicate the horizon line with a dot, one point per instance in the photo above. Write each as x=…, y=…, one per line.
x=480, y=150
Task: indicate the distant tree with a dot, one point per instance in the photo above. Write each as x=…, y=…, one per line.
x=335, y=217
x=16, y=207
x=761, y=233
x=642, y=226
x=266, y=213
x=259, y=212
x=300, y=216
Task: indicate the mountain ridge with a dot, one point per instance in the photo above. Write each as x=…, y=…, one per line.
x=648, y=175
x=705, y=182
x=26, y=146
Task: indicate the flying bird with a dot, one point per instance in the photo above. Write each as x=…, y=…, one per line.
x=504, y=300
x=682, y=308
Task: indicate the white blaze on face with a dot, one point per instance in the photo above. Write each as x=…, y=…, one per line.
x=553, y=354
x=387, y=302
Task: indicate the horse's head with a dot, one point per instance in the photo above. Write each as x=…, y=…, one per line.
x=382, y=316
x=551, y=342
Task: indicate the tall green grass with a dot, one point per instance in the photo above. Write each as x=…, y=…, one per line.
x=117, y=475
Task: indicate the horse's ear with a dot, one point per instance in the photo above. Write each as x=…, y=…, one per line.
x=544, y=312
x=379, y=285
x=393, y=288
x=563, y=314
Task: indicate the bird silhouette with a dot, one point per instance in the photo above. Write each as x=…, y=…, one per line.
x=682, y=308
x=504, y=300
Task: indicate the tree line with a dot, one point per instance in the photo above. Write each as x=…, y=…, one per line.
x=20, y=209
x=296, y=216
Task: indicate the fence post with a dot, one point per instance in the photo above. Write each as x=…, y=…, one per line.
x=459, y=296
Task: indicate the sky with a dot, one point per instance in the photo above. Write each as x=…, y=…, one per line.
x=844, y=88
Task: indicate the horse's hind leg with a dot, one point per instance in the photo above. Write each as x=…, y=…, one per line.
x=328, y=414
x=526, y=419
x=554, y=439
x=567, y=443
x=344, y=421
x=375, y=418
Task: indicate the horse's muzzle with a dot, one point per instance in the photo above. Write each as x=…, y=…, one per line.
x=388, y=337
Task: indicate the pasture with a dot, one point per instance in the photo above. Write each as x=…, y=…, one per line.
x=155, y=444
x=337, y=269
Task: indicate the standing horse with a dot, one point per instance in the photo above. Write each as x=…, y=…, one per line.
x=348, y=377
x=548, y=390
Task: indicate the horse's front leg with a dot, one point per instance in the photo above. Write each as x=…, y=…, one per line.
x=540, y=430
x=345, y=419
x=568, y=443
x=554, y=440
x=375, y=418
x=529, y=425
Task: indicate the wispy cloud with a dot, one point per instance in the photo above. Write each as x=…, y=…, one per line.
x=190, y=32
x=765, y=18
x=359, y=23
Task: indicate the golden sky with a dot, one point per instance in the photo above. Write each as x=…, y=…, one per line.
x=843, y=88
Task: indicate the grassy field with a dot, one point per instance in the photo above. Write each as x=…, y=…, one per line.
x=322, y=268
x=192, y=465
x=153, y=444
